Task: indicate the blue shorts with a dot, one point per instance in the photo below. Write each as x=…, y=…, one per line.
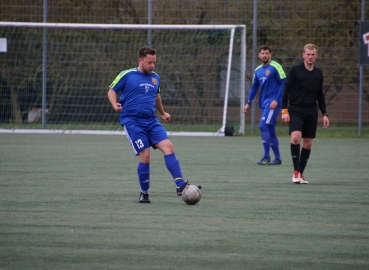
x=143, y=134
x=269, y=116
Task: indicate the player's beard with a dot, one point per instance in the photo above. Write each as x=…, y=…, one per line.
x=146, y=70
x=265, y=61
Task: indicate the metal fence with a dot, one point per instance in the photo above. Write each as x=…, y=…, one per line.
x=285, y=25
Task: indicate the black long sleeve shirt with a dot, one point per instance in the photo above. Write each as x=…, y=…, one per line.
x=303, y=88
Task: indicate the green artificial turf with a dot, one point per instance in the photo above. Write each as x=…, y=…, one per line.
x=70, y=202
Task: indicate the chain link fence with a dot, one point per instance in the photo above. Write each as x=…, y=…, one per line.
x=285, y=25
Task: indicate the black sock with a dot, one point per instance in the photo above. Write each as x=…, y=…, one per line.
x=304, y=157
x=295, y=153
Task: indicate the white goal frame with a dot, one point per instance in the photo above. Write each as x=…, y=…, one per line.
x=232, y=28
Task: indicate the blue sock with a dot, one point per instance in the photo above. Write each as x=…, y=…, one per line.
x=143, y=171
x=174, y=168
x=274, y=143
x=265, y=137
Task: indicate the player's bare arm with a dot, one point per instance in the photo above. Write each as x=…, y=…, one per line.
x=112, y=96
x=245, y=108
x=159, y=106
x=325, y=121
x=285, y=115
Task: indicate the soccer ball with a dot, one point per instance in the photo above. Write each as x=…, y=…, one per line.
x=191, y=194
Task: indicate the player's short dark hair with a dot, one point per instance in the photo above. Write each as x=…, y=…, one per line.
x=265, y=48
x=146, y=50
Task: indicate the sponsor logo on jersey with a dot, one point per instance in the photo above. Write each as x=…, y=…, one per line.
x=263, y=79
x=147, y=86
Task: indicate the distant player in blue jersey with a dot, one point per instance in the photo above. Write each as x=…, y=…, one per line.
x=139, y=90
x=270, y=78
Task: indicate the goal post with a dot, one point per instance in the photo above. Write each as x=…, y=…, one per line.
x=202, y=68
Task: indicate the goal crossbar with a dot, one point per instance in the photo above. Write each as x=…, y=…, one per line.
x=125, y=26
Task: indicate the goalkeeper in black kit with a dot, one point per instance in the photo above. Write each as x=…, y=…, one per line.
x=303, y=89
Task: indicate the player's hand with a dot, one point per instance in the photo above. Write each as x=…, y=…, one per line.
x=325, y=121
x=245, y=108
x=273, y=104
x=118, y=107
x=285, y=116
x=166, y=117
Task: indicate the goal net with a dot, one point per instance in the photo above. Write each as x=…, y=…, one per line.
x=59, y=74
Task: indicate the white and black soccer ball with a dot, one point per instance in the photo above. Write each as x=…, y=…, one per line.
x=191, y=194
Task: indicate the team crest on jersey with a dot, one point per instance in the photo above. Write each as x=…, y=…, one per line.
x=154, y=81
x=267, y=72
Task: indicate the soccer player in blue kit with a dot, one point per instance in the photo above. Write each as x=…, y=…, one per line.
x=139, y=90
x=269, y=77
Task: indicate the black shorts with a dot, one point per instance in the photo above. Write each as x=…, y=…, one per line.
x=304, y=120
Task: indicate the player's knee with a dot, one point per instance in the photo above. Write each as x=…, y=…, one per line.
x=307, y=143
x=263, y=126
x=144, y=156
x=295, y=139
x=166, y=147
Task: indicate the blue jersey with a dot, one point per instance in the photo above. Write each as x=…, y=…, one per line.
x=138, y=94
x=270, y=79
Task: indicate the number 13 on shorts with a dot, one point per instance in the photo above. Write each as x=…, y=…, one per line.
x=139, y=144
